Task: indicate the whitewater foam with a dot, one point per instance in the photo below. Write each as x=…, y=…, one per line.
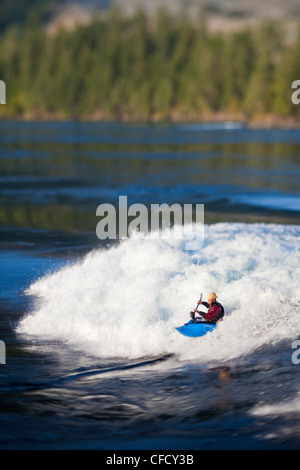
x=125, y=301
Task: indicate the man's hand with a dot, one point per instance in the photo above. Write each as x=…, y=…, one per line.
x=199, y=302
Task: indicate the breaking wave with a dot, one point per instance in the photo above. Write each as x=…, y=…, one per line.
x=124, y=301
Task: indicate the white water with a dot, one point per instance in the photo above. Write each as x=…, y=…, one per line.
x=124, y=301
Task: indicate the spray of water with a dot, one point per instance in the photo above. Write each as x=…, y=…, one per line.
x=124, y=301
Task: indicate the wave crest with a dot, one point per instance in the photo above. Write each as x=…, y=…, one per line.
x=124, y=301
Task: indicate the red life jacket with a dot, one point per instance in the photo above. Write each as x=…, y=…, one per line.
x=215, y=312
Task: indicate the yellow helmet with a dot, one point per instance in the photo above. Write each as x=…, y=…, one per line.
x=211, y=295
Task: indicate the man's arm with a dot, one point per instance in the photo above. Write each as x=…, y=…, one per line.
x=206, y=304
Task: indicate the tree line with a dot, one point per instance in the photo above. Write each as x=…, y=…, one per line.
x=141, y=69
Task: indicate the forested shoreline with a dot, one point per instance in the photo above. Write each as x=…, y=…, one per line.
x=119, y=68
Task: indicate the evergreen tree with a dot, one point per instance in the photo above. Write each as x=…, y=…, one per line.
x=136, y=68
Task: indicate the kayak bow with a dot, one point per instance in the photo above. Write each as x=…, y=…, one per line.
x=194, y=329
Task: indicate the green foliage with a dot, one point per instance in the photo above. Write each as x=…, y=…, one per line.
x=133, y=68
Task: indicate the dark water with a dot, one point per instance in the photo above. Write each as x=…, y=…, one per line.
x=55, y=394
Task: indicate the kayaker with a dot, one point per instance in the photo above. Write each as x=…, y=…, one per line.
x=215, y=309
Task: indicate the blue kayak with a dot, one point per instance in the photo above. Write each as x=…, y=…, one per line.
x=196, y=329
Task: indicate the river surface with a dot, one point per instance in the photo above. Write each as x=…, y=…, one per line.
x=92, y=359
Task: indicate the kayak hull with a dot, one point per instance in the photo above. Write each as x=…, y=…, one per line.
x=195, y=330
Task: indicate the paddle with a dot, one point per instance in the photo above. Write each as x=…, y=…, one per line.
x=200, y=299
x=197, y=306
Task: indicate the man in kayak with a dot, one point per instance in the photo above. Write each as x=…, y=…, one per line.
x=215, y=309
